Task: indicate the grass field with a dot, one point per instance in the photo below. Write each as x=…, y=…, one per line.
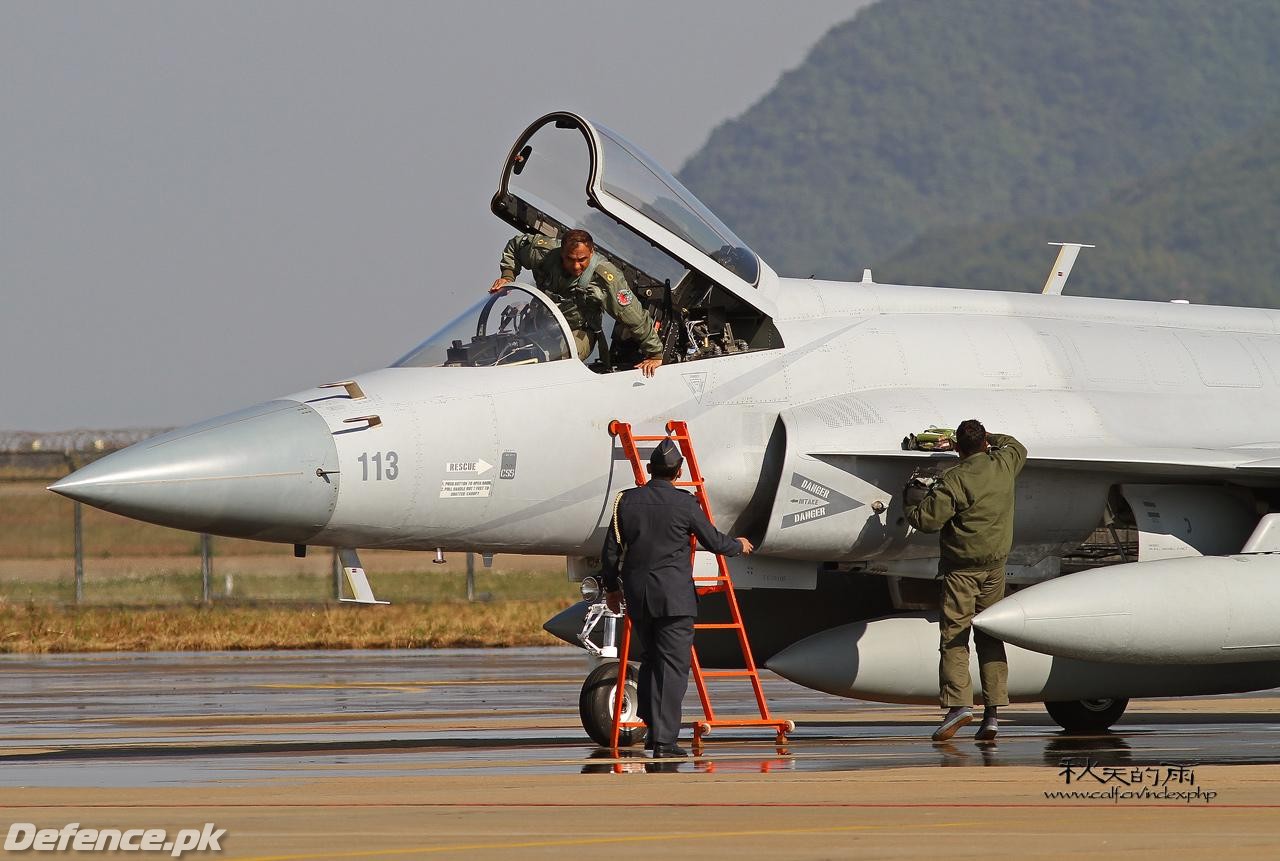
x=143, y=589
x=37, y=524
x=446, y=624
x=152, y=580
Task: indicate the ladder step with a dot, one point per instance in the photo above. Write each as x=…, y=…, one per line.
x=716, y=626
x=781, y=723
x=725, y=674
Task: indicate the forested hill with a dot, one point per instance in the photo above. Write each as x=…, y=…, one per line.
x=923, y=115
x=1207, y=230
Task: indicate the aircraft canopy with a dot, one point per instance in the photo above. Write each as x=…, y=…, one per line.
x=566, y=172
x=694, y=277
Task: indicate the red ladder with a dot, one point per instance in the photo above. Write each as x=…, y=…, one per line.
x=679, y=433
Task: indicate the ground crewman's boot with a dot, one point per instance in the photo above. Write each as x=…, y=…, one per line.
x=990, y=725
x=958, y=716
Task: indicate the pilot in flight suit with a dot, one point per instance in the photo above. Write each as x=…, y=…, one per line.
x=647, y=547
x=582, y=295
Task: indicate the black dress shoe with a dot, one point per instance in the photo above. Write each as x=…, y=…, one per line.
x=668, y=751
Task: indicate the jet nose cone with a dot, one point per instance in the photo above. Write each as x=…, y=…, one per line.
x=267, y=472
x=1005, y=620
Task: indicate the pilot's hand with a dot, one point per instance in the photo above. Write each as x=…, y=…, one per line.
x=913, y=494
x=747, y=547
x=499, y=284
x=613, y=600
x=648, y=366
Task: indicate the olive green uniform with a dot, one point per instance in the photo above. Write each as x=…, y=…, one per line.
x=600, y=287
x=972, y=506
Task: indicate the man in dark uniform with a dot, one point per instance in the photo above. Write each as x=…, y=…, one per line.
x=648, y=548
x=972, y=506
x=582, y=283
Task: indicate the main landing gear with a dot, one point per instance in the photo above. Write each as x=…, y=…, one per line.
x=1087, y=715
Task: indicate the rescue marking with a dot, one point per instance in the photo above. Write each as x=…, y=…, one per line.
x=465, y=488
x=825, y=501
x=479, y=467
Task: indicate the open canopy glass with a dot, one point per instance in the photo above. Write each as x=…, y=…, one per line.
x=694, y=279
x=565, y=172
x=640, y=182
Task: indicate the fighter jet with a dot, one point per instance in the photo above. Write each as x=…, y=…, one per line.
x=1157, y=420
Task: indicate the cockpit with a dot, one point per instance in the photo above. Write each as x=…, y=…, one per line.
x=517, y=326
x=688, y=270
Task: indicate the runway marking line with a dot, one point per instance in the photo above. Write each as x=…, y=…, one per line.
x=597, y=841
x=852, y=805
x=337, y=686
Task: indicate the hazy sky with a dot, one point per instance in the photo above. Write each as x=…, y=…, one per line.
x=203, y=206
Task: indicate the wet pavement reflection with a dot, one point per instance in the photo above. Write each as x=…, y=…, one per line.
x=178, y=719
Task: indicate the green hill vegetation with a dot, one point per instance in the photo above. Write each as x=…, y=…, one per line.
x=1208, y=231
x=920, y=116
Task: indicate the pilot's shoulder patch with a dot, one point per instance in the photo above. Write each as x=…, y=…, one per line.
x=624, y=298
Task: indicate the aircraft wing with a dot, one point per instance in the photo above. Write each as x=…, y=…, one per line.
x=1190, y=462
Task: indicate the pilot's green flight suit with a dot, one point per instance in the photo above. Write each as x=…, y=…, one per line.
x=600, y=287
x=972, y=505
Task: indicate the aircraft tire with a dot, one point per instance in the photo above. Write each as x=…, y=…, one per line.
x=1087, y=715
x=595, y=705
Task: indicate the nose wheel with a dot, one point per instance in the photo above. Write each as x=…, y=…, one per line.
x=596, y=702
x=1087, y=715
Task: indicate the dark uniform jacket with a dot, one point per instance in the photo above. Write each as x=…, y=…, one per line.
x=972, y=505
x=656, y=521
x=581, y=303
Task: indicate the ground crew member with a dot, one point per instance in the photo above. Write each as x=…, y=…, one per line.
x=582, y=283
x=972, y=506
x=647, y=547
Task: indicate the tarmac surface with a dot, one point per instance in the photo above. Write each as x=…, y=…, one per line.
x=479, y=753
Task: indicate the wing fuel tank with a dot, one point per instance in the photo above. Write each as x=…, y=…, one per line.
x=1195, y=610
x=895, y=659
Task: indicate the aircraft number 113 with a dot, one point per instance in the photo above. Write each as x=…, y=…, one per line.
x=385, y=465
